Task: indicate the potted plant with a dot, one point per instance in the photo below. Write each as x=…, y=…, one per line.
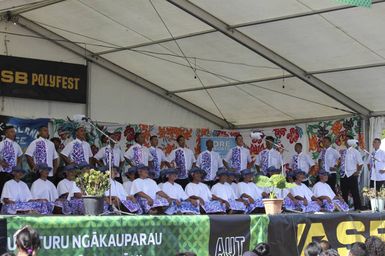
x=372, y=195
x=93, y=185
x=273, y=205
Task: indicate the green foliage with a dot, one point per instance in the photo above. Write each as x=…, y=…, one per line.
x=93, y=182
x=276, y=181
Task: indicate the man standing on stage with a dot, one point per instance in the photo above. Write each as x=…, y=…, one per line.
x=10, y=155
x=328, y=161
x=209, y=161
x=351, y=164
x=138, y=153
x=377, y=165
x=269, y=157
x=103, y=155
x=158, y=158
x=42, y=151
x=183, y=160
x=238, y=158
x=301, y=161
x=77, y=151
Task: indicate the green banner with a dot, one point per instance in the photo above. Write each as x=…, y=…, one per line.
x=363, y=3
x=258, y=230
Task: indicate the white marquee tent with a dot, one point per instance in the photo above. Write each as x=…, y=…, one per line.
x=232, y=63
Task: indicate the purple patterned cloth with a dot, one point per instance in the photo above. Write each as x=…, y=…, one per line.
x=40, y=152
x=158, y=202
x=265, y=160
x=213, y=207
x=39, y=207
x=185, y=207
x=78, y=153
x=156, y=163
x=107, y=156
x=343, y=157
x=181, y=164
x=295, y=162
x=9, y=156
x=131, y=206
x=335, y=205
x=206, y=164
x=322, y=157
x=312, y=206
x=237, y=206
x=236, y=159
x=290, y=205
x=137, y=155
x=258, y=203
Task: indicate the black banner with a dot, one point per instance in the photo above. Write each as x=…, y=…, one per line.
x=43, y=80
x=289, y=234
x=3, y=236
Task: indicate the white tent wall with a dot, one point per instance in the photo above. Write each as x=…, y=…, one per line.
x=111, y=97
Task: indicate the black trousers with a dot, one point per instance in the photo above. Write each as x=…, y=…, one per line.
x=379, y=184
x=183, y=182
x=332, y=181
x=351, y=185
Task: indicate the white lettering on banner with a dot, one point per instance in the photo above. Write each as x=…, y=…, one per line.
x=95, y=240
x=229, y=246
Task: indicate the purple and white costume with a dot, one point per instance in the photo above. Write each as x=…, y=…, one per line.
x=149, y=187
x=202, y=190
x=176, y=191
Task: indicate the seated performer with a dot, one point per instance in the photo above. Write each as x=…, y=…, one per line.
x=249, y=191
x=330, y=202
x=232, y=180
x=306, y=201
x=149, y=196
x=131, y=176
x=226, y=194
x=17, y=198
x=197, y=190
x=119, y=197
x=181, y=203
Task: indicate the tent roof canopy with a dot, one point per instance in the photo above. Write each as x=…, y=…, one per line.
x=246, y=62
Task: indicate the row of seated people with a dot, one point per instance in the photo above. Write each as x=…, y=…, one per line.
x=232, y=193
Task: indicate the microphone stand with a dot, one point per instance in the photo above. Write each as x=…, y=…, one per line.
x=374, y=181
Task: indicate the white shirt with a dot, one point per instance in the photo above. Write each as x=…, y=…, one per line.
x=200, y=190
x=352, y=159
x=16, y=191
x=50, y=150
x=331, y=158
x=175, y=191
x=117, y=190
x=215, y=163
x=16, y=149
x=302, y=191
x=377, y=166
x=69, y=148
x=323, y=189
x=223, y=191
x=245, y=157
x=145, y=154
x=127, y=186
x=116, y=152
x=44, y=189
x=250, y=189
x=304, y=162
x=274, y=159
x=67, y=186
x=147, y=186
x=189, y=159
x=159, y=153
x=234, y=186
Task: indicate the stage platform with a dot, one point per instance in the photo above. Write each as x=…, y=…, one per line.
x=216, y=235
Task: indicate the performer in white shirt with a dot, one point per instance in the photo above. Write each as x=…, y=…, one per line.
x=149, y=196
x=181, y=203
x=131, y=176
x=249, y=191
x=351, y=164
x=158, y=159
x=377, y=165
x=138, y=153
x=238, y=158
x=322, y=191
x=197, y=190
x=103, y=155
x=183, y=160
x=77, y=151
x=10, y=155
x=232, y=180
x=226, y=194
x=269, y=157
x=209, y=161
x=42, y=151
x=328, y=161
x=301, y=161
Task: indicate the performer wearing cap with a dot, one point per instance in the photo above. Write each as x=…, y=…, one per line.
x=226, y=194
x=301, y=161
x=158, y=159
x=16, y=196
x=209, y=161
x=322, y=190
x=303, y=196
x=197, y=190
x=10, y=155
x=183, y=160
x=181, y=203
x=238, y=158
x=149, y=196
x=131, y=176
x=351, y=164
x=78, y=150
x=232, y=180
x=328, y=161
x=138, y=153
x=377, y=165
x=269, y=157
x=42, y=151
x=249, y=191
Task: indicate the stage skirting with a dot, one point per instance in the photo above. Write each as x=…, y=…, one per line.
x=214, y=235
